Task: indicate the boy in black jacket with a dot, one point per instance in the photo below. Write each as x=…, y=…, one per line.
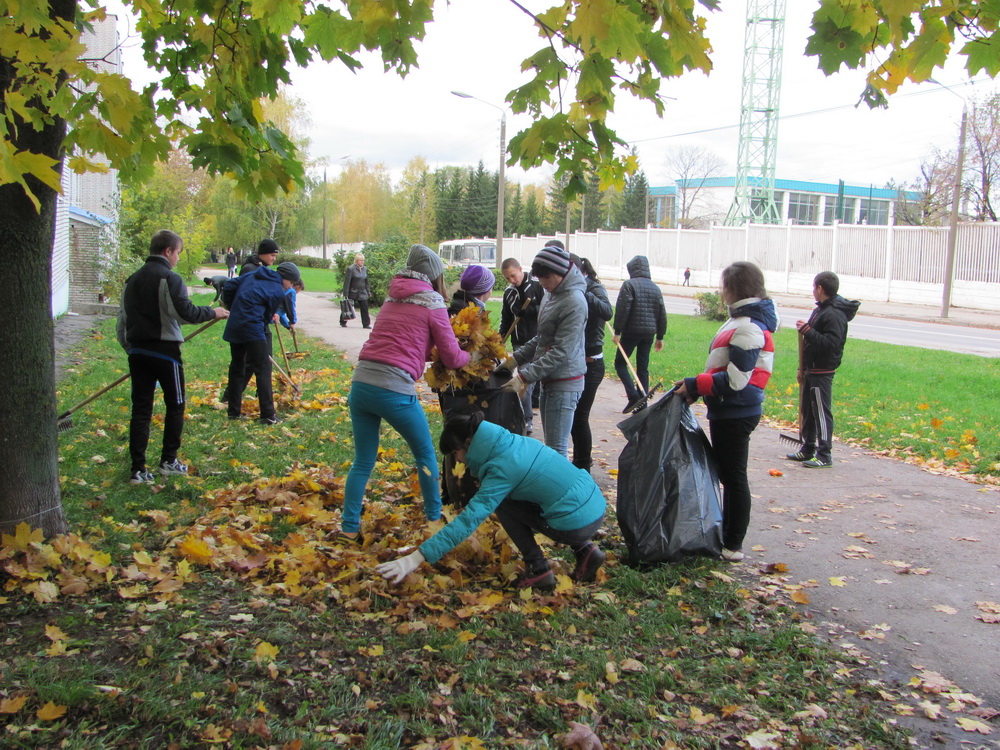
x=823, y=339
x=521, y=287
x=154, y=305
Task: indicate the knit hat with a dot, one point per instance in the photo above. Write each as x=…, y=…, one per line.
x=267, y=246
x=477, y=280
x=424, y=260
x=289, y=271
x=551, y=259
x=555, y=243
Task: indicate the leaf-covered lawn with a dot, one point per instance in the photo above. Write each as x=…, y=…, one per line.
x=213, y=610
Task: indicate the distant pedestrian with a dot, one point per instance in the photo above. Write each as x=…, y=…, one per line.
x=599, y=312
x=217, y=282
x=687, y=277
x=231, y=262
x=358, y=290
x=253, y=299
x=154, y=306
x=740, y=361
x=522, y=289
x=823, y=339
x=640, y=318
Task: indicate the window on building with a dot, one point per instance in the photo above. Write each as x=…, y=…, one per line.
x=803, y=208
x=757, y=202
x=830, y=210
x=873, y=212
x=664, y=210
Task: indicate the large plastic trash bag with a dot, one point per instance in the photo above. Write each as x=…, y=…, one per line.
x=499, y=406
x=669, y=497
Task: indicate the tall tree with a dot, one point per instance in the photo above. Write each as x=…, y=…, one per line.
x=418, y=199
x=216, y=60
x=983, y=163
x=691, y=167
x=632, y=212
x=532, y=223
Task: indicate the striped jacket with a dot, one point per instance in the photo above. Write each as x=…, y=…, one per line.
x=739, y=363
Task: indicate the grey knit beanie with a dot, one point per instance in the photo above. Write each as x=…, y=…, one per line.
x=289, y=271
x=424, y=260
x=551, y=259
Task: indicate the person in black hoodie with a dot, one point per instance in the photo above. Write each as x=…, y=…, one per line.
x=154, y=305
x=521, y=286
x=640, y=316
x=599, y=311
x=823, y=339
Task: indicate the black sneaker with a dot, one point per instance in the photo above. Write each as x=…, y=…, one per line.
x=542, y=580
x=632, y=403
x=799, y=456
x=815, y=463
x=589, y=560
x=141, y=477
x=273, y=419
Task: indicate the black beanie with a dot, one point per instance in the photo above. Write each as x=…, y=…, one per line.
x=267, y=246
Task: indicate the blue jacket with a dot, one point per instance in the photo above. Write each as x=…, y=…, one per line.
x=521, y=468
x=287, y=313
x=252, y=299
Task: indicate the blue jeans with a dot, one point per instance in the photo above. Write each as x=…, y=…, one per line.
x=641, y=347
x=557, y=409
x=369, y=406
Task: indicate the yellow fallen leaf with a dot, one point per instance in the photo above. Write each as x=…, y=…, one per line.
x=762, y=740
x=466, y=635
x=53, y=633
x=586, y=700
x=23, y=536
x=837, y=581
x=800, y=597
x=699, y=717
x=265, y=652
x=12, y=705
x=50, y=712
x=945, y=608
x=971, y=725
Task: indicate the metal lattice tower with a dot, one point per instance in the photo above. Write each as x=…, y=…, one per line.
x=758, y=148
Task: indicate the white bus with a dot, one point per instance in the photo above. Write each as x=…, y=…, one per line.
x=468, y=253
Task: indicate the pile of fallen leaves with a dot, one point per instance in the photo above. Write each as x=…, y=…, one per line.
x=470, y=325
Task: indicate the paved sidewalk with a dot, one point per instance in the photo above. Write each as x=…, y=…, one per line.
x=847, y=533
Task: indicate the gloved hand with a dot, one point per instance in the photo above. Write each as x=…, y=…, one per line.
x=509, y=364
x=475, y=357
x=516, y=384
x=396, y=570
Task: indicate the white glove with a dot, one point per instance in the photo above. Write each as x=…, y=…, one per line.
x=475, y=358
x=515, y=385
x=396, y=570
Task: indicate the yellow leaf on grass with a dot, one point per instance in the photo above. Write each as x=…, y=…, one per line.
x=23, y=536
x=586, y=700
x=195, y=550
x=762, y=740
x=12, y=705
x=837, y=581
x=971, y=725
x=699, y=717
x=265, y=652
x=466, y=635
x=50, y=712
x=53, y=633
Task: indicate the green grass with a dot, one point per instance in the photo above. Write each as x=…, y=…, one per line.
x=682, y=654
x=315, y=279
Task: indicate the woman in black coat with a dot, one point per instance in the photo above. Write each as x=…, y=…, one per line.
x=357, y=289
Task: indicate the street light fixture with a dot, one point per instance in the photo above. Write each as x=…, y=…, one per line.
x=502, y=186
x=949, y=264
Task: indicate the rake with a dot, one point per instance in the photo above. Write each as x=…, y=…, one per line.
x=784, y=437
x=644, y=401
x=65, y=420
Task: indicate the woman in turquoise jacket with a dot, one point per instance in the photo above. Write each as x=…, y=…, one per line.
x=531, y=488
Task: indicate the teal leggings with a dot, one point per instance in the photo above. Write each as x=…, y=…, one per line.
x=369, y=406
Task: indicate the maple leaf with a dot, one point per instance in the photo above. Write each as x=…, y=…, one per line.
x=837, y=581
x=972, y=725
x=195, y=550
x=13, y=705
x=50, y=712
x=265, y=652
x=762, y=740
x=22, y=538
x=800, y=597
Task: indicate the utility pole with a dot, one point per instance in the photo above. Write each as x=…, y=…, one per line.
x=949, y=265
x=324, y=213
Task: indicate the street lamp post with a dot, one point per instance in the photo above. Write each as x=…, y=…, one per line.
x=502, y=186
x=956, y=195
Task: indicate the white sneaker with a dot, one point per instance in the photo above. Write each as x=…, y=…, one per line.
x=141, y=477
x=732, y=555
x=173, y=467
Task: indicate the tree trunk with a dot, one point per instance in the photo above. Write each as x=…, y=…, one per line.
x=29, y=449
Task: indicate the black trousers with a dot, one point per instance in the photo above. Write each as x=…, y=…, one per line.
x=642, y=347
x=251, y=359
x=147, y=370
x=817, y=414
x=521, y=520
x=583, y=441
x=731, y=444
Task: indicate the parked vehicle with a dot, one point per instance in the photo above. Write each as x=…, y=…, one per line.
x=469, y=252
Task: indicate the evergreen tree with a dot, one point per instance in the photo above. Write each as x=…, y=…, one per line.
x=513, y=211
x=632, y=212
x=481, y=202
x=555, y=214
x=532, y=222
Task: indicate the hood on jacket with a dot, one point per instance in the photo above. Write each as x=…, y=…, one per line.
x=573, y=280
x=847, y=306
x=755, y=308
x=638, y=267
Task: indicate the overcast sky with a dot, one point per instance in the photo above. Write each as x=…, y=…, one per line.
x=476, y=46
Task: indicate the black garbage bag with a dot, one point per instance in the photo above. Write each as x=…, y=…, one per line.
x=669, y=497
x=499, y=407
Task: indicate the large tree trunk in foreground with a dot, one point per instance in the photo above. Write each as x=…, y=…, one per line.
x=29, y=449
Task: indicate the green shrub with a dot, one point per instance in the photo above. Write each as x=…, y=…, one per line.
x=304, y=261
x=711, y=306
x=382, y=259
x=114, y=273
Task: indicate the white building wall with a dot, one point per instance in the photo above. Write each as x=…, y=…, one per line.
x=60, y=249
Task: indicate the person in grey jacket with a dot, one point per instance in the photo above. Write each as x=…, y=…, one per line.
x=555, y=357
x=640, y=317
x=357, y=289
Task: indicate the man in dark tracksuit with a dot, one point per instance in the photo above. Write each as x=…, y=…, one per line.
x=216, y=282
x=640, y=316
x=253, y=299
x=154, y=305
x=823, y=339
x=521, y=286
